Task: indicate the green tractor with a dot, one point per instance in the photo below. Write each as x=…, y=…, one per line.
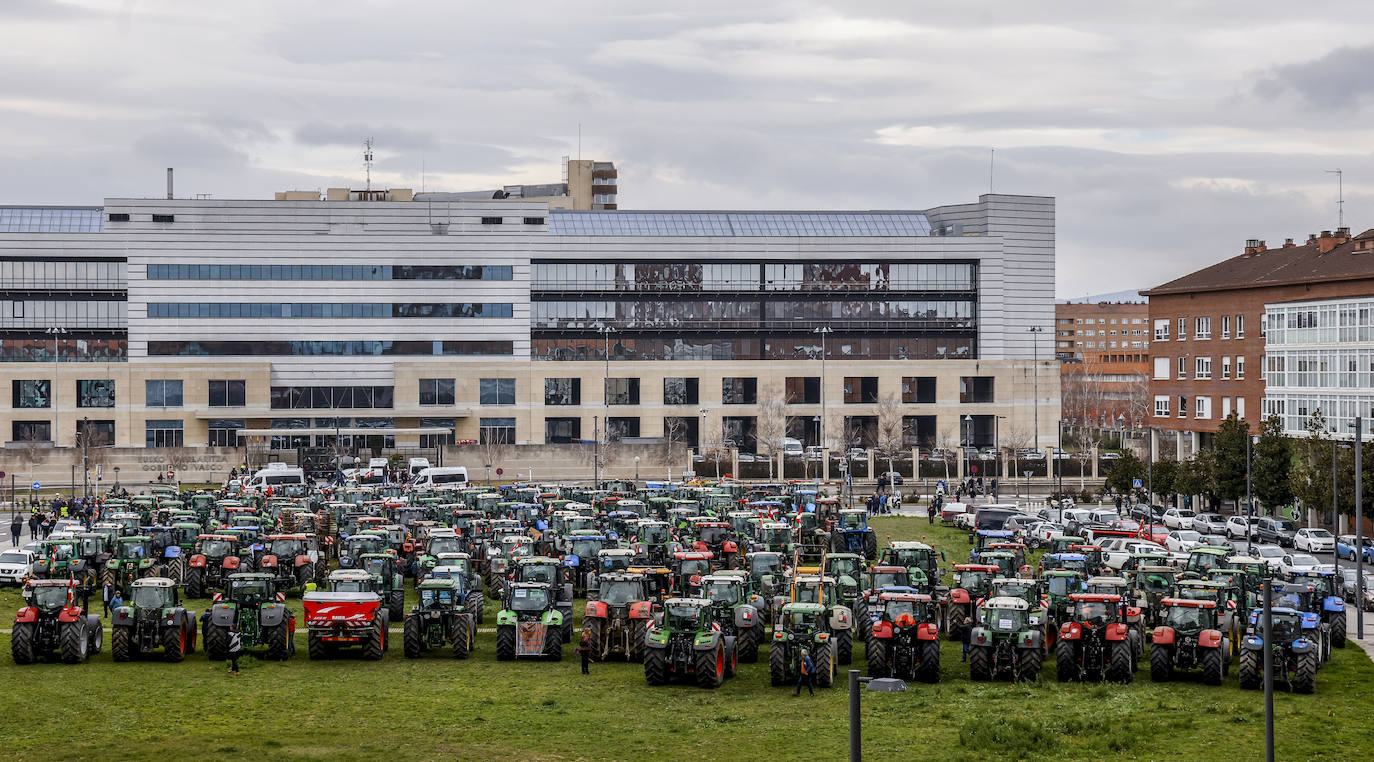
x=529, y=623
x=915, y=556
x=440, y=620
x=687, y=645
x=463, y=565
x=250, y=605
x=851, y=580
x=728, y=592
x=776, y=537
x=133, y=559
x=839, y=619
x=800, y=629
x=391, y=583
x=153, y=617
x=57, y=560
x=1003, y=644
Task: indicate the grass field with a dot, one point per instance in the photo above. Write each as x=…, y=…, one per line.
x=437, y=707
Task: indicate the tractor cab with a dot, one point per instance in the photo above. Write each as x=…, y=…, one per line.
x=1060, y=543
x=913, y=555
x=1074, y=562
x=775, y=536
x=688, y=569
x=613, y=560
x=975, y=579
x=351, y=581
x=1203, y=559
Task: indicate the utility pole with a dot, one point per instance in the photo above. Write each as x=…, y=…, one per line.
x=55, y=331
x=1359, y=530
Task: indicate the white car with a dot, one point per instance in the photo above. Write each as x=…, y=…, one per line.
x=1295, y=562
x=1237, y=528
x=1209, y=523
x=1315, y=540
x=1041, y=533
x=15, y=565
x=1271, y=555
x=1120, y=550
x=1178, y=518
x=1183, y=540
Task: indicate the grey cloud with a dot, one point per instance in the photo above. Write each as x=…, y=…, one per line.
x=392, y=136
x=1341, y=80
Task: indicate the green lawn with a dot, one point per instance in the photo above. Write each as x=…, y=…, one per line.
x=437, y=707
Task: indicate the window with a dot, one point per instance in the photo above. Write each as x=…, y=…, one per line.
x=95, y=393
x=1225, y=407
x=1240, y=407
x=1161, y=367
x=534, y=220
x=738, y=390
x=1202, y=328
x=436, y=391
x=1202, y=407
x=1225, y=326
x=621, y=428
x=164, y=218
x=331, y=397
x=680, y=391
x=228, y=393
x=1240, y=326
x=224, y=432
x=119, y=217
x=1183, y=367
x=622, y=391
x=1225, y=367
x=162, y=393
x=163, y=433
x=740, y=432
x=562, y=391
x=860, y=389
x=31, y=394
x=1202, y=367
x=491, y=220
x=1240, y=368
x=1161, y=406
x=1182, y=406
x=496, y=431
x=976, y=389
x=1182, y=328
x=496, y=391
x=918, y=390
x=437, y=440
x=31, y=431
x=562, y=430
x=802, y=390
x=102, y=433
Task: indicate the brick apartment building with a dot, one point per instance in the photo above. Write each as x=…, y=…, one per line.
x=1103, y=350
x=1207, y=343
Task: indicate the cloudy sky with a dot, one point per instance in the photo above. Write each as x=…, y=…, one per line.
x=1170, y=132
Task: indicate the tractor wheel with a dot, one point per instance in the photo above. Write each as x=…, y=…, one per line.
x=217, y=642
x=844, y=646
x=72, y=640
x=825, y=666
x=412, y=641
x=505, y=642
x=929, y=669
x=553, y=643
x=731, y=660
x=639, y=630
x=1028, y=662
x=861, y=620
x=1213, y=663
x=596, y=632
x=95, y=636
x=746, y=647
x=877, y=657
x=396, y=603
x=709, y=666
x=655, y=666
x=777, y=664
x=1119, y=671
x=195, y=583
x=463, y=638
x=304, y=574
x=476, y=605
x=21, y=643
x=278, y=639
x=120, y=644
x=1161, y=663
x=1338, y=629
x=107, y=577
x=1305, y=677
x=176, y=569
x=836, y=543
x=1249, y=671
x=173, y=644
x=870, y=545
x=1066, y=662
x=315, y=647
x=980, y=663
x=375, y=645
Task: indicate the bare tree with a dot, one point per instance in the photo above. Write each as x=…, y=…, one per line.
x=674, y=440
x=772, y=427
x=890, y=439
x=947, y=442
x=494, y=449
x=1015, y=441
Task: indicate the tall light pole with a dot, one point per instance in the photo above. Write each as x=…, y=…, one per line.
x=55, y=331
x=823, y=330
x=701, y=439
x=1359, y=530
x=606, y=331
x=1035, y=332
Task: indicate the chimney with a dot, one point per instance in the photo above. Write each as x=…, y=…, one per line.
x=1251, y=246
x=1326, y=242
x=1311, y=238
x=1288, y=243
x=1343, y=233
x=169, y=182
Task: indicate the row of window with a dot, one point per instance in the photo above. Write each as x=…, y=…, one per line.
x=325, y=397
x=1347, y=321
x=69, y=313
x=329, y=272
x=326, y=348
x=343, y=310
x=741, y=432
x=1202, y=406
x=1202, y=328
x=798, y=390
x=1100, y=321
x=1201, y=367
x=816, y=276
x=59, y=275
x=68, y=349
x=806, y=347
x=1340, y=410
x=1320, y=369
x=943, y=314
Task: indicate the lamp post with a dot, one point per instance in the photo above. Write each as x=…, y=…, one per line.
x=1359, y=530
x=1335, y=505
x=116, y=486
x=636, y=468
x=55, y=331
x=1035, y=332
x=85, y=453
x=823, y=330
x=1269, y=672
x=880, y=684
x=606, y=331
x=701, y=438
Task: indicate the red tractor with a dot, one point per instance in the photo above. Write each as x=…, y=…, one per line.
x=53, y=622
x=905, y=638
x=718, y=538
x=688, y=569
x=971, y=583
x=1095, y=643
x=1190, y=637
x=350, y=613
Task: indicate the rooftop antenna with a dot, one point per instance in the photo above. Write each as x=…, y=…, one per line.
x=992, y=165
x=1340, y=197
x=367, y=160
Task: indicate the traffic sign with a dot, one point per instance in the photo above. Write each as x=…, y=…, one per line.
x=37, y=485
x=2, y=474
x=500, y=471
x=973, y=469
x=1137, y=483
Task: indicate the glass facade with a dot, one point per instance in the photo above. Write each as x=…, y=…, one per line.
x=562, y=391
x=39, y=219
x=228, y=393
x=436, y=391
x=162, y=393
x=328, y=272
x=164, y=434
x=224, y=432
x=325, y=397
x=496, y=391
x=31, y=394
x=95, y=392
x=325, y=348
x=345, y=310
x=64, y=275
x=39, y=348
x=807, y=224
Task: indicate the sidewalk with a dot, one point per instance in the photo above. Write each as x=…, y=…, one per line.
x=1368, y=643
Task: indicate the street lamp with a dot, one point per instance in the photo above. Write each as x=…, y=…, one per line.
x=879, y=684
x=636, y=468
x=823, y=330
x=1335, y=506
x=1035, y=331
x=55, y=331
x=1359, y=530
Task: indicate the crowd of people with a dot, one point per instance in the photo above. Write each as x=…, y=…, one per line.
x=43, y=517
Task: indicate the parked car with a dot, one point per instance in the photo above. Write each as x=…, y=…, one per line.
x=1178, y=518
x=1276, y=530
x=1030, y=454
x=1293, y=562
x=1209, y=523
x=1104, y=516
x=1271, y=555
x=1348, y=587
x=1314, y=540
x=1148, y=513
x=1129, y=525
x=1040, y=533
x=890, y=478
x=1345, y=548
x=1156, y=533
x=1238, y=527
x=1020, y=523
x=1110, y=456
x=1183, y=540
x=1118, y=550
x=15, y=565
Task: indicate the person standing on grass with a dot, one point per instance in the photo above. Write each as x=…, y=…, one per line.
x=965, y=632
x=806, y=676
x=235, y=649
x=115, y=600
x=107, y=591
x=584, y=649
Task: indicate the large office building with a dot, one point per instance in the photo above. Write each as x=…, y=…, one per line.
x=389, y=319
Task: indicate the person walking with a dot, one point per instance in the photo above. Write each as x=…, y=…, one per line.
x=965, y=632
x=107, y=591
x=33, y=526
x=235, y=649
x=584, y=649
x=806, y=676
x=115, y=600
x=46, y=525
x=934, y=508
x=16, y=526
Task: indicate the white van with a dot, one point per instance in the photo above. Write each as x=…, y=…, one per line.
x=417, y=465
x=275, y=475
x=435, y=476
x=792, y=448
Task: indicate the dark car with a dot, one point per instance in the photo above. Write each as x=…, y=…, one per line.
x=993, y=518
x=1276, y=530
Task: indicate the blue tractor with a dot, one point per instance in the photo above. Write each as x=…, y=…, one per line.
x=1328, y=588
x=1293, y=653
x=1307, y=600
x=852, y=534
